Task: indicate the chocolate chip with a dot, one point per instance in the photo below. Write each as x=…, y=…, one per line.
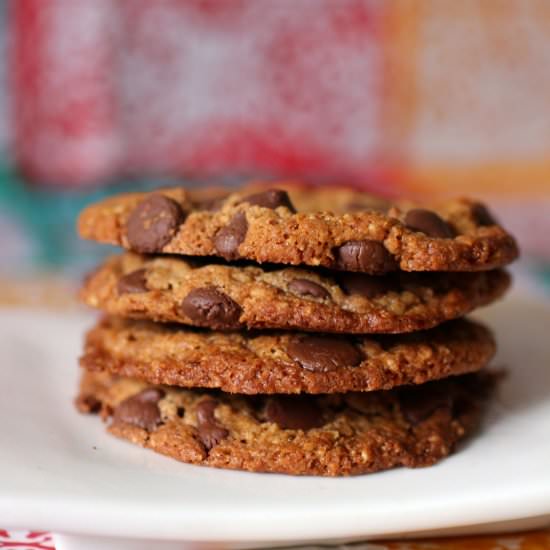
x=367, y=256
x=209, y=307
x=132, y=283
x=294, y=412
x=88, y=404
x=228, y=238
x=361, y=284
x=151, y=395
x=305, y=287
x=482, y=215
x=153, y=223
x=141, y=409
x=210, y=432
x=323, y=353
x=271, y=198
x=419, y=402
x=429, y=223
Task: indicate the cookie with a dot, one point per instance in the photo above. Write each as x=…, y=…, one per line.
x=334, y=228
x=283, y=362
x=224, y=297
x=327, y=435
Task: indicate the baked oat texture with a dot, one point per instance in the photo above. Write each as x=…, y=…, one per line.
x=293, y=225
x=329, y=435
x=222, y=296
x=283, y=362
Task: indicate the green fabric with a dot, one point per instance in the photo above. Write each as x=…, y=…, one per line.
x=544, y=274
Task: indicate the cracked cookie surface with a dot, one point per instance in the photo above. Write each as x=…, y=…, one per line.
x=224, y=297
x=288, y=224
x=328, y=435
x=284, y=362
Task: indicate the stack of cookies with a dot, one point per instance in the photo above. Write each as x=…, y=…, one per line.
x=292, y=330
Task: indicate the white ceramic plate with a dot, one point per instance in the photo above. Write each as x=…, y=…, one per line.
x=60, y=471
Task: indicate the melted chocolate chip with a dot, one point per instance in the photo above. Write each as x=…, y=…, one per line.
x=153, y=223
x=89, y=404
x=209, y=307
x=271, y=198
x=367, y=256
x=482, y=215
x=305, y=287
x=420, y=402
x=429, y=223
x=362, y=284
x=133, y=282
x=294, y=412
x=210, y=432
x=228, y=238
x=141, y=409
x=323, y=353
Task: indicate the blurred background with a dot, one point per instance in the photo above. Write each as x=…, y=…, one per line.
x=408, y=97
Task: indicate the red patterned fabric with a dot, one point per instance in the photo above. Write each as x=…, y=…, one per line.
x=112, y=86
x=26, y=540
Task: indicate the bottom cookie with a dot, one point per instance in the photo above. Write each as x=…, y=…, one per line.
x=327, y=435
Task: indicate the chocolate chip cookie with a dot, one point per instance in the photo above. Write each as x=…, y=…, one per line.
x=328, y=435
x=223, y=297
x=283, y=362
x=288, y=224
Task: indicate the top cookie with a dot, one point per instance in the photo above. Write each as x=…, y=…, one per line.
x=330, y=227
